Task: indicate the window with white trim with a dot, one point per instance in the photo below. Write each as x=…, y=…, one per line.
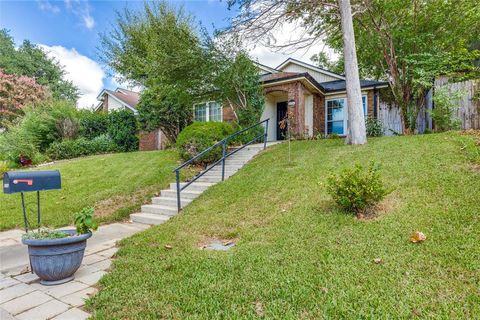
x=208, y=111
x=337, y=115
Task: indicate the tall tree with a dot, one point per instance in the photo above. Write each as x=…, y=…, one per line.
x=356, y=131
x=163, y=49
x=32, y=61
x=259, y=19
x=431, y=38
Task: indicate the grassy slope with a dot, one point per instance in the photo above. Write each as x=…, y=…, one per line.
x=127, y=178
x=299, y=257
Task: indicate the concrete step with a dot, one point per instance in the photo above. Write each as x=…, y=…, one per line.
x=196, y=186
x=186, y=194
x=149, y=218
x=210, y=179
x=170, y=202
x=159, y=209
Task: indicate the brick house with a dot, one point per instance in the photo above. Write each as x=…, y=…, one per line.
x=123, y=99
x=318, y=98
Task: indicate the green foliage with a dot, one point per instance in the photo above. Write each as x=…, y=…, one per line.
x=30, y=136
x=201, y=135
x=44, y=234
x=322, y=60
x=374, y=127
x=238, y=84
x=84, y=221
x=93, y=124
x=68, y=149
x=3, y=168
x=356, y=189
x=32, y=61
x=166, y=108
x=159, y=45
x=445, y=107
x=122, y=128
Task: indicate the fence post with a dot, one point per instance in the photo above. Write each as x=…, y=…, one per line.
x=224, y=152
x=179, y=204
x=265, y=136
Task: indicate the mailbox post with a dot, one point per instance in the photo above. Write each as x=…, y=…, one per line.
x=31, y=181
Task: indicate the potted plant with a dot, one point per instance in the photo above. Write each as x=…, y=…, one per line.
x=55, y=255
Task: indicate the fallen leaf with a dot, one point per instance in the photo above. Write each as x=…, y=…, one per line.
x=324, y=290
x=418, y=236
x=167, y=246
x=227, y=243
x=378, y=260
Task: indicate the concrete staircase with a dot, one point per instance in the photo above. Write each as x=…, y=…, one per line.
x=165, y=206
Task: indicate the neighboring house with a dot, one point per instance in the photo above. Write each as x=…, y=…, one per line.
x=317, y=96
x=124, y=99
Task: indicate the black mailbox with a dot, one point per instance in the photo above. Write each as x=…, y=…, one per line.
x=28, y=181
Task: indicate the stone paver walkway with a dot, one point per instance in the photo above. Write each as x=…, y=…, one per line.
x=23, y=297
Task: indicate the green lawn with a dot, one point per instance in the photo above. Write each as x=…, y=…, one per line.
x=116, y=184
x=299, y=257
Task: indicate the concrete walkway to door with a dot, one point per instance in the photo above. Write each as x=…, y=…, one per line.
x=23, y=297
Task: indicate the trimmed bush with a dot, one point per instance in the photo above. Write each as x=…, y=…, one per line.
x=93, y=124
x=122, y=128
x=199, y=136
x=357, y=189
x=69, y=149
x=374, y=127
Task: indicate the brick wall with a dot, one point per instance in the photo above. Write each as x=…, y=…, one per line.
x=148, y=141
x=295, y=91
x=318, y=114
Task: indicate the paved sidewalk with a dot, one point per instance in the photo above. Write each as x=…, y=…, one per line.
x=23, y=297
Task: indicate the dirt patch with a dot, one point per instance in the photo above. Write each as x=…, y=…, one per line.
x=389, y=204
x=111, y=205
x=475, y=167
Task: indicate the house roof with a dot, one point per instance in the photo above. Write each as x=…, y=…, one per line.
x=265, y=69
x=340, y=85
x=126, y=97
x=309, y=66
x=324, y=87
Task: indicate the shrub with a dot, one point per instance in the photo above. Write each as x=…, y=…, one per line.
x=122, y=128
x=374, y=127
x=446, y=105
x=16, y=142
x=93, y=124
x=3, y=168
x=199, y=136
x=69, y=149
x=357, y=189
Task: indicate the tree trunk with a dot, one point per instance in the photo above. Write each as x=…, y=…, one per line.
x=356, y=131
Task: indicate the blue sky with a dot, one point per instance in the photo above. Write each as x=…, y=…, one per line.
x=69, y=31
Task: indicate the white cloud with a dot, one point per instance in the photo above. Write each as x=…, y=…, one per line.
x=46, y=5
x=84, y=72
x=89, y=21
x=81, y=8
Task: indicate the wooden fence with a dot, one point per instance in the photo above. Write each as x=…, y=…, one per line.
x=468, y=111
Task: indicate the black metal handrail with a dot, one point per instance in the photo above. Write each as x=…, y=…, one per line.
x=225, y=155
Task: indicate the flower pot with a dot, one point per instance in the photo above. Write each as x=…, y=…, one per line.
x=55, y=261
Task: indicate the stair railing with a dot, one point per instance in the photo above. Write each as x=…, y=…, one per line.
x=225, y=155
